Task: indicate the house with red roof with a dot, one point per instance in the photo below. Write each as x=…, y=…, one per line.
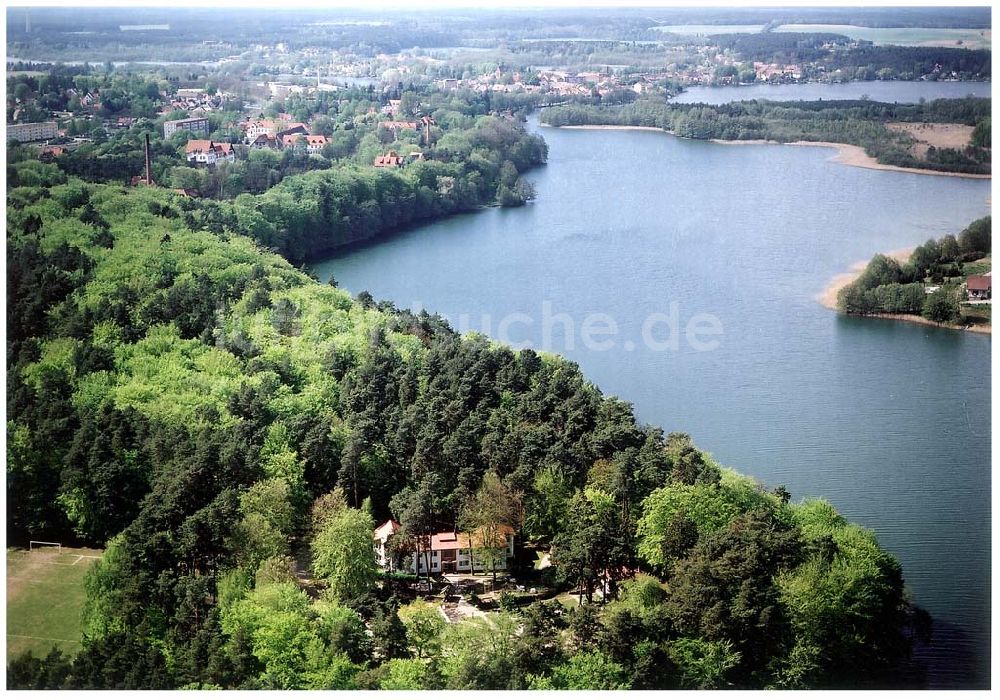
x=979, y=287
x=389, y=160
x=451, y=552
x=256, y=127
x=305, y=143
x=207, y=152
x=265, y=141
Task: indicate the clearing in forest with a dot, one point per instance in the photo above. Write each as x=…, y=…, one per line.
x=45, y=597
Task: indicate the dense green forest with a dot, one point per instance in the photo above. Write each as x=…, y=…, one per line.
x=858, y=122
x=888, y=287
x=312, y=214
x=849, y=62
x=206, y=412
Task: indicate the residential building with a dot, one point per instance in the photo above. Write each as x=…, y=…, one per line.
x=294, y=128
x=315, y=144
x=196, y=125
x=979, y=287
x=257, y=127
x=389, y=160
x=448, y=552
x=384, y=533
x=205, y=152
x=265, y=141
x=32, y=131
x=225, y=151
x=50, y=153
x=304, y=143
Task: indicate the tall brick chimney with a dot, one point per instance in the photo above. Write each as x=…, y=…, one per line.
x=149, y=173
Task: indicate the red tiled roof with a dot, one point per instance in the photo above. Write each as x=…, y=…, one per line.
x=461, y=540
x=979, y=283
x=198, y=145
x=390, y=159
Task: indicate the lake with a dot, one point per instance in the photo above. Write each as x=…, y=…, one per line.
x=878, y=90
x=887, y=420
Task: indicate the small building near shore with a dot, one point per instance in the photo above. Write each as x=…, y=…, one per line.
x=979, y=287
x=448, y=552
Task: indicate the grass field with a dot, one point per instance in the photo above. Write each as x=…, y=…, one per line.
x=45, y=596
x=902, y=36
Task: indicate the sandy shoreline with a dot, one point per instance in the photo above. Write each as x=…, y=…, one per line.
x=847, y=154
x=856, y=156
x=828, y=297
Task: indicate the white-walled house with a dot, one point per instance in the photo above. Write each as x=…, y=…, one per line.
x=205, y=152
x=383, y=533
x=449, y=552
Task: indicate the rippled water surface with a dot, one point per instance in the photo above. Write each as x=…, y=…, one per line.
x=889, y=421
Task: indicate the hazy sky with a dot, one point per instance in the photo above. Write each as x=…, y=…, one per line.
x=521, y=4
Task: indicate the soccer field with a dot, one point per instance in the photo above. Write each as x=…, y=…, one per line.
x=45, y=597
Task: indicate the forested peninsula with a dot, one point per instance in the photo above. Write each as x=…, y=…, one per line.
x=882, y=129
x=302, y=207
x=931, y=285
x=231, y=431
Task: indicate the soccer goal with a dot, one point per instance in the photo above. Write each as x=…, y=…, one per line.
x=38, y=544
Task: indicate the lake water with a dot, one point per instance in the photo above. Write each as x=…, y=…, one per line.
x=887, y=420
x=878, y=90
